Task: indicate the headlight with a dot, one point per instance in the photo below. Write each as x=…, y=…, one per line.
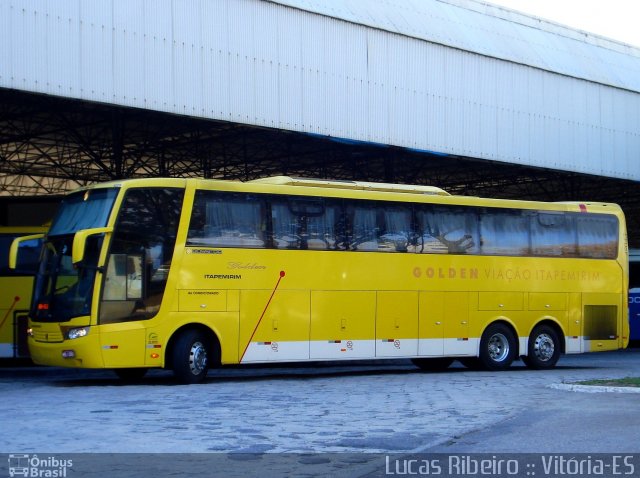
x=77, y=333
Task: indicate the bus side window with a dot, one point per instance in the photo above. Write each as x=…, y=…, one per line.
x=321, y=228
x=303, y=223
x=553, y=234
x=28, y=255
x=444, y=230
x=504, y=232
x=340, y=235
x=227, y=220
x=284, y=226
x=597, y=236
x=396, y=229
x=364, y=231
x=378, y=226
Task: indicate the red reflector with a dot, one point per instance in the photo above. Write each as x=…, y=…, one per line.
x=583, y=208
x=155, y=355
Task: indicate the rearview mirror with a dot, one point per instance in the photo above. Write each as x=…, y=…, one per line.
x=80, y=242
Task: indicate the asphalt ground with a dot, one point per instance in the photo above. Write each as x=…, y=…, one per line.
x=348, y=410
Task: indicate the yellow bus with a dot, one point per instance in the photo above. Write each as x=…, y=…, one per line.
x=189, y=274
x=15, y=290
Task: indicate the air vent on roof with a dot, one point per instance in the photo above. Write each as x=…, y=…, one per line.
x=359, y=185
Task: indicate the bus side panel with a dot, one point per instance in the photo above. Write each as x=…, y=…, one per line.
x=397, y=324
x=280, y=322
x=574, y=337
x=457, y=340
x=15, y=298
x=123, y=344
x=342, y=324
x=602, y=321
x=544, y=306
x=431, y=327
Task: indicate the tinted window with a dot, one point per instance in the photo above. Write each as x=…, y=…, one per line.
x=28, y=255
x=504, y=232
x=300, y=222
x=5, y=244
x=227, y=220
x=140, y=255
x=447, y=230
x=306, y=223
x=83, y=210
x=553, y=234
x=597, y=236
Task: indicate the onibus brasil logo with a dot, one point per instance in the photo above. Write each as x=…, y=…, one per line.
x=34, y=466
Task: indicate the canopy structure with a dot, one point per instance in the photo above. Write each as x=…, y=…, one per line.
x=458, y=94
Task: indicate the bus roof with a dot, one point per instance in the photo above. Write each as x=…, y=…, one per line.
x=334, y=188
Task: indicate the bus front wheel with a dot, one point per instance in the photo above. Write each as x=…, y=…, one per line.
x=497, y=347
x=191, y=356
x=544, y=348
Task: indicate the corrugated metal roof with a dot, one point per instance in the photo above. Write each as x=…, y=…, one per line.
x=430, y=75
x=493, y=31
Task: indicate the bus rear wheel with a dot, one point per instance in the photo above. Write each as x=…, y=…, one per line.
x=497, y=347
x=191, y=356
x=432, y=364
x=544, y=348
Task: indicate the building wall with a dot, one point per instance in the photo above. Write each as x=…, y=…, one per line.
x=267, y=64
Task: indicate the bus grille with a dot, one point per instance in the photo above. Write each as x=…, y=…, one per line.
x=42, y=336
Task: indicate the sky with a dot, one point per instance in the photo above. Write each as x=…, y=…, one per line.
x=616, y=19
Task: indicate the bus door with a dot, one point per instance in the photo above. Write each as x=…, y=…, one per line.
x=136, y=272
x=21, y=325
x=122, y=332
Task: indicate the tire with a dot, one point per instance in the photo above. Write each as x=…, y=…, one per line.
x=191, y=357
x=130, y=375
x=497, y=347
x=544, y=348
x=432, y=364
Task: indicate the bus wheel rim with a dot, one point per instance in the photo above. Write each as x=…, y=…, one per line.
x=498, y=347
x=198, y=358
x=544, y=347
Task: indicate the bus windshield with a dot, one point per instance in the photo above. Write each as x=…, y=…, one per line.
x=63, y=291
x=83, y=210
